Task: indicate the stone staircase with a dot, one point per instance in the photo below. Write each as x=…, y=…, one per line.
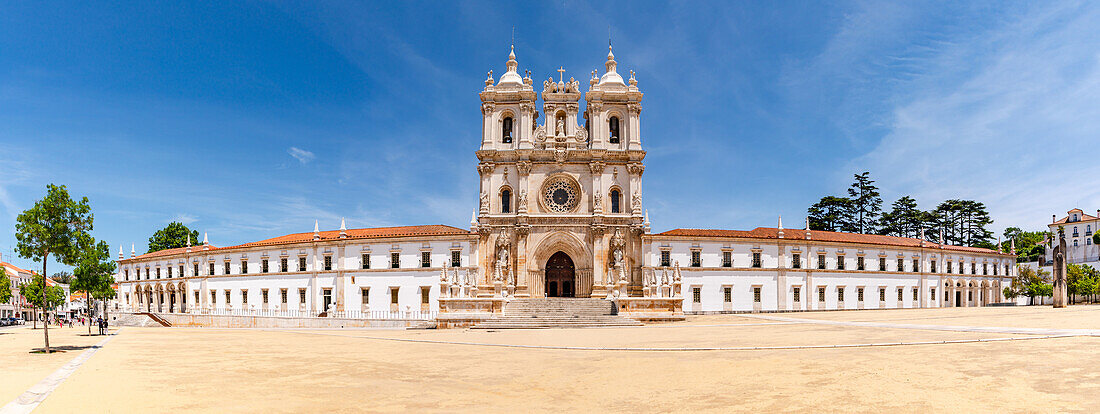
x=557, y=313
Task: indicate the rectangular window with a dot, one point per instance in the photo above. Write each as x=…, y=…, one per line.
x=882, y=264
x=365, y=261
x=666, y=258
x=456, y=258
x=985, y=269
x=263, y=266
x=393, y=295
x=196, y=269
x=840, y=294
x=169, y=272
x=727, y=259
x=727, y=294
x=755, y=259
x=365, y=293
x=244, y=296
x=425, y=259
x=126, y=273
x=901, y=265
x=973, y=268
x=227, y=297
x=797, y=294
x=196, y=297
x=211, y=270
x=158, y=273
x=696, y=295
x=901, y=294
x=821, y=261
x=840, y=262
x=916, y=265
x=226, y=268
x=948, y=267
x=882, y=294
x=283, y=266
x=395, y=260
x=244, y=266
x=859, y=263
x=859, y=294
x=302, y=296
x=301, y=264
x=756, y=295
x=932, y=293
x=932, y=267
x=995, y=270
x=425, y=295
x=263, y=294
x=213, y=297
x=696, y=258
x=914, y=294
x=796, y=261
x=821, y=294
x=282, y=296
x=328, y=262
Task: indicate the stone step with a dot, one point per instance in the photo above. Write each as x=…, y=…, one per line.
x=537, y=313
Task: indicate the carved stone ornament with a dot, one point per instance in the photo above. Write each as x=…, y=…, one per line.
x=524, y=167
x=596, y=200
x=636, y=203
x=559, y=156
x=484, y=203
x=485, y=168
x=582, y=135
x=636, y=168
x=634, y=108
x=596, y=167
x=540, y=133
x=486, y=108
x=522, y=208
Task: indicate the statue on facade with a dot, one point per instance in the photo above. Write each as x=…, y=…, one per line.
x=561, y=128
x=484, y=203
x=522, y=207
x=636, y=203
x=596, y=201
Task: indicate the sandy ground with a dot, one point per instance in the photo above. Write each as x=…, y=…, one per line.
x=21, y=368
x=224, y=370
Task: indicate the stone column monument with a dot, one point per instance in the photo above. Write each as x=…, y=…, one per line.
x=1060, y=292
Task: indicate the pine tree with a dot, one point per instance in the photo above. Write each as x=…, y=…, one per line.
x=866, y=203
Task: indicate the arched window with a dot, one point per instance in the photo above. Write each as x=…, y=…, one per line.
x=505, y=201
x=506, y=131
x=615, y=201
x=613, y=130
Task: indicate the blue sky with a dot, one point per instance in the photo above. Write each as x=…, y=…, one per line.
x=252, y=120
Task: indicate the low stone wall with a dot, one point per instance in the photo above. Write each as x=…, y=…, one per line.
x=233, y=321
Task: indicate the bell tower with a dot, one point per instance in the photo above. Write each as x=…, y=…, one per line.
x=508, y=110
x=613, y=109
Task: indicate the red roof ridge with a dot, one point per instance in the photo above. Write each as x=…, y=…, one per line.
x=823, y=235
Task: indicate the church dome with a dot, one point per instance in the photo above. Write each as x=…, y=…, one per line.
x=611, y=77
x=511, y=77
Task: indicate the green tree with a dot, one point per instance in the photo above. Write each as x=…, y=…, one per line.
x=1031, y=283
x=174, y=235
x=832, y=214
x=963, y=222
x=56, y=225
x=5, y=285
x=44, y=297
x=866, y=203
x=94, y=275
x=904, y=219
x=62, y=277
x=1081, y=280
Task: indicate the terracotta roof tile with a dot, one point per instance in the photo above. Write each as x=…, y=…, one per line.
x=328, y=235
x=820, y=235
x=16, y=268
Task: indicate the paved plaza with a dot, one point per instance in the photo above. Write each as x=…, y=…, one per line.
x=966, y=359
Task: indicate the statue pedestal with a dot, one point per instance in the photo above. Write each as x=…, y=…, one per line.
x=498, y=289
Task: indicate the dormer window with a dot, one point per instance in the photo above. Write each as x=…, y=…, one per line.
x=615, y=201
x=506, y=131
x=613, y=130
x=505, y=201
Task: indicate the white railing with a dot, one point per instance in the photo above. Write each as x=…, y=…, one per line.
x=296, y=313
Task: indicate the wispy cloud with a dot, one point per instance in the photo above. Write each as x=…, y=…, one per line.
x=301, y=155
x=184, y=218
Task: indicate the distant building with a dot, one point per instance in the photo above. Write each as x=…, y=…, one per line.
x=17, y=306
x=1077, y=229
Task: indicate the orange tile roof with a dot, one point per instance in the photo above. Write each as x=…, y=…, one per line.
x=16, y=268
x=820, y=235
x=328, y=235
x=1065, y=220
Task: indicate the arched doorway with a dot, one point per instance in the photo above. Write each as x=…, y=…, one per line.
x=560, y=276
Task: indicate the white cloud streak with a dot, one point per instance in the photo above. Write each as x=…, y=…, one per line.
x=301, y=155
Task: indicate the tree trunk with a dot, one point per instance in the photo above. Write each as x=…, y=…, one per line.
x=45, y=306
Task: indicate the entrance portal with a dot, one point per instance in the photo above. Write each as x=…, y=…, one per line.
x=560, y=276
x=958, y=298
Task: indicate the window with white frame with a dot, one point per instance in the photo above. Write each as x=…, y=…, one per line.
x=727, y=258
x=365, y=260
x=666, y=258
x=425, y=259
x=756, y=294
x=859, y=263
x=302, y=264
x=797, y=294
x=756, y=259
x=395, y=260
x=456, y=258
x=796, y=261
x=696, y=258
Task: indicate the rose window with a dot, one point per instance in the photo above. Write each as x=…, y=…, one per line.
x=560, y=194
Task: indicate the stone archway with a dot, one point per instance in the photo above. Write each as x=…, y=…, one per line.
x=565, y=243
x=561, y=277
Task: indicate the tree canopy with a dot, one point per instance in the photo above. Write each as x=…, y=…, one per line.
x=173, y=236
x=62, y=277
x=55, y=225
x=5, y=285
x=832, y=214
x=866, y=203
x=32, y=291
x=94, y=271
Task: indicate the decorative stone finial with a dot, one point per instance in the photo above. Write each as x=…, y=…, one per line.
x=1013, y=244
x=120, y=252
x=316, y=231
x=807, y=227
x=780, y=234
x=343, y=229
x=132, y=252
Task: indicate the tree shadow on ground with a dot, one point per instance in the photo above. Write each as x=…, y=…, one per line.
x=62, y=348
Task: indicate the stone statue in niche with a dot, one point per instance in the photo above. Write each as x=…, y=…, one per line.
x=522, y=207
x=560, y=128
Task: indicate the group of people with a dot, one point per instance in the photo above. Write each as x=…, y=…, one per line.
x=102, y=324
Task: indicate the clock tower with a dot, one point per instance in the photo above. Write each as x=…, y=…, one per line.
x=560, y=200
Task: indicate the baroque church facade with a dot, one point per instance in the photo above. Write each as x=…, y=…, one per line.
x=560, y=214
